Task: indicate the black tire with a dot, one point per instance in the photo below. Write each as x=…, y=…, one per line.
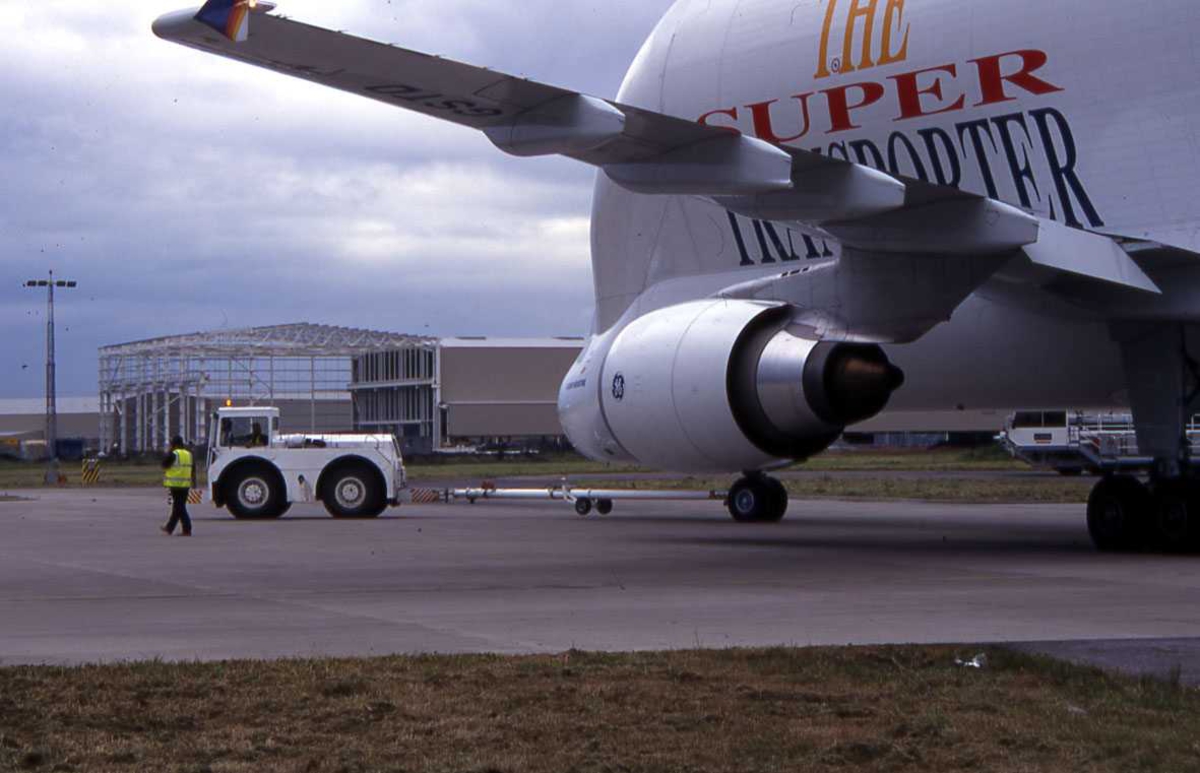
x=254, y=492
x=1176, y=519
x=353, y=490
x=583, y=507
x=779, y=501
x=604, y=506
x=752, y=500
x=1117, y=514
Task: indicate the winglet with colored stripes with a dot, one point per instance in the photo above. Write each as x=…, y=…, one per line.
x=229, y=17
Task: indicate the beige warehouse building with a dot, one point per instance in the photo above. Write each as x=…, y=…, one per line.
x=465, y=391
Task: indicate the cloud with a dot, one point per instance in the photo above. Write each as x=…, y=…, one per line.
x=185, y=192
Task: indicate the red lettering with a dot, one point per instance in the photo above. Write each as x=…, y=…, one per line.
x=840, y=107
x=910, y=92
x=732, y=112
x=992, y=78
x=763, y=125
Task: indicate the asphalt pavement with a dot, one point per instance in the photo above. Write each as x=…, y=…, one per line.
x=87, y=577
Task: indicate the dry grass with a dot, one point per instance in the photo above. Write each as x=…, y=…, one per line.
x=21, y=475
x=868, y=709
x=883, y=488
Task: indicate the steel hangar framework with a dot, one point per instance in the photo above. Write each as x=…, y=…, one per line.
x=152, y=390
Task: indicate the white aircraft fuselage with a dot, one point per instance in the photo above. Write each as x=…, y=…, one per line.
x=1081, y=112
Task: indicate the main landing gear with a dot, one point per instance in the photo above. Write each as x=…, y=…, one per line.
x=1125, y=515
x=757, y=498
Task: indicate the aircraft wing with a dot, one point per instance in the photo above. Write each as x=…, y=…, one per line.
x=653, y=153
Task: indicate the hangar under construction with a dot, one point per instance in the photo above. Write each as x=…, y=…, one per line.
x=432, y=393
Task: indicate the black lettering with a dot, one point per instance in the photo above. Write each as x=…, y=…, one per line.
x=811, y=246
x=838, y=150
x=741, y=242
x=762, y=242
x=862, y=148
x=935, y=156
x=785, y=253
x=894, y=161
x=1062, y=168
x=1021, y=169
x=977, y=129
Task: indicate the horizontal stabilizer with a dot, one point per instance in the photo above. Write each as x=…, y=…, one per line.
x=1087, y=254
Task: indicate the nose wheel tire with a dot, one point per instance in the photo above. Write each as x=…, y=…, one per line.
x=583, y=507
x=757, y=499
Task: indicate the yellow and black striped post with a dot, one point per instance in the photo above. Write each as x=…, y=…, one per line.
x=90, y=474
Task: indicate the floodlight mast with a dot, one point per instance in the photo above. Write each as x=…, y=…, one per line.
x=51, y=431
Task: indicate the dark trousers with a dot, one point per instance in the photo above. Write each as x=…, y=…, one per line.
x=179, y=513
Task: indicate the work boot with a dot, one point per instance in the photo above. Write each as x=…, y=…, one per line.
x=165, y=530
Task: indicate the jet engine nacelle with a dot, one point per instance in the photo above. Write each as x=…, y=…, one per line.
x=723, y=386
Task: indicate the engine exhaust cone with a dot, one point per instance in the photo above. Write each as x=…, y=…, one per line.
x=860, y=381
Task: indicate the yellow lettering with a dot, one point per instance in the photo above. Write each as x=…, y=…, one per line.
x=893, y=17
x=867, y=14
x=823, y=62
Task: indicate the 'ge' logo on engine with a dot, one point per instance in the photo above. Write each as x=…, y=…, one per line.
x=618, y=387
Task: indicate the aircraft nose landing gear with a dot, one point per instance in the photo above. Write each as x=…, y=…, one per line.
x=757, y=498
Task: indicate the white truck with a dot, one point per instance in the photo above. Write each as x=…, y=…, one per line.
x=257, y=472
x=1074, y=442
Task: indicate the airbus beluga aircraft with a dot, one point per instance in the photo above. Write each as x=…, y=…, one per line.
x=809, y=210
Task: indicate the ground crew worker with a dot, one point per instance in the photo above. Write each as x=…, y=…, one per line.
x=178, y=478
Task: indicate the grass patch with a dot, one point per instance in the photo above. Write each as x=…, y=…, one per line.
x=117, y=474
x=883, y=488
x=990, y=458
x=114, y=474
x=871, y=709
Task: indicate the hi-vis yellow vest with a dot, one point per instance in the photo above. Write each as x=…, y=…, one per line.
x=179, y=475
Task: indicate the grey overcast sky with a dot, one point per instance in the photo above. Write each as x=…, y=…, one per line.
x=185, y=192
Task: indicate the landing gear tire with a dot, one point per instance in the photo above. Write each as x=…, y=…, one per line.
x=583, y=507
x=254, y=494
x=1177, y=516
x=604, y=506
x=1117, y=513
x=354, y=491
x=757, y=499
x=780, y=497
